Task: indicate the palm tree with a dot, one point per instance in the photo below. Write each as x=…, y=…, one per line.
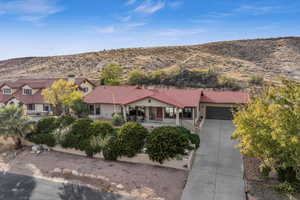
x=14, y=123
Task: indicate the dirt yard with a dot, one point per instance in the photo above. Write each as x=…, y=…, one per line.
x=260, y=188
x=143, y=181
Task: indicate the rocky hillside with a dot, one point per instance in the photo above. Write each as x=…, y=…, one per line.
x=237, y=59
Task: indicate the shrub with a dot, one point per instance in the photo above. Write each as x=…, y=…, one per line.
x=136, y=77
x=41, y=138
x=165, y=143
x=117, y=120
x=65, y=120
x=79, y=135
x=80, y=108
x=256, y=80
x=46, y=125
x=286, y=188
x=193, y=138
x=264, y=170
x=112, y=150
x=132, y=138
x=102, y=129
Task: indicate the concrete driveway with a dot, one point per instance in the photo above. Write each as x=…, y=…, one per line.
x=217, y=172
x=19, y=187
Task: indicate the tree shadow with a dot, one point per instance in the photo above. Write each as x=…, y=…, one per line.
x=77, y=192
x=16, y=187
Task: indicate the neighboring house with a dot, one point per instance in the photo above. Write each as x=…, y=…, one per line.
x=28, y=93
x=170, y=106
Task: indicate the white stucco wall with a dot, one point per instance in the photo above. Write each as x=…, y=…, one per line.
x=145, y=102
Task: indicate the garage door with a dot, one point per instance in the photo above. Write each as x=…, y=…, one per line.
x=223, y=113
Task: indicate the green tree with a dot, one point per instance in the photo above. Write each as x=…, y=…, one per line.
x=111, y=75
x=136, y=77
x=80, y=108
x=14, y=123
x=269, y=129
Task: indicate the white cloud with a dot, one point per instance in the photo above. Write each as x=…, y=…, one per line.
x=30, y=10
x=106, y=30
x=125, y=18
x=175, y=4
x=255, y=9
x=119, y=28
x=150, y=7
x=130, y=2
x=181, y=32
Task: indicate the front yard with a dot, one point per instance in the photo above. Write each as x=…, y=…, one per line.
x=137, y=180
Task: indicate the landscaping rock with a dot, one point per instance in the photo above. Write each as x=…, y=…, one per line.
x=67, y=171
x=57, y=170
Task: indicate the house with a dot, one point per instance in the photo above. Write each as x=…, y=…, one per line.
x=170, y=106
x=28, y=93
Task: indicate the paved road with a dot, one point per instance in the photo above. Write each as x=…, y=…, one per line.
x=217, y=172
x=19, y=187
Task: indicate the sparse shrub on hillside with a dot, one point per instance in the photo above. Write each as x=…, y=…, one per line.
x=111, y=75
x=136, y=77
x=228, y=83
x=256, y=80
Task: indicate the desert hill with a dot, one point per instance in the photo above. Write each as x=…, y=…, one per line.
x=236, y=59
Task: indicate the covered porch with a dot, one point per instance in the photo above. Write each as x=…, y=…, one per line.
x=159, y=115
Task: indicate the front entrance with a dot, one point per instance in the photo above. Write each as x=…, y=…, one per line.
x=156, y=113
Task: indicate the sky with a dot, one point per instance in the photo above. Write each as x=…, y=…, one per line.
x=60, y=27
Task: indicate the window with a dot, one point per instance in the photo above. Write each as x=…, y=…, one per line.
x=6, y=91
x=27, y=91
x=187, y=113
x=85, y=90
x=47, y=108
x=98, y=110
x=92, y=109
x=170, y=113
x=31, y=107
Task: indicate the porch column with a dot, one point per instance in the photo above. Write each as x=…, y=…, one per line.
x=125, y=113
x=147, y=113
x=193, y=114
x=177, y=117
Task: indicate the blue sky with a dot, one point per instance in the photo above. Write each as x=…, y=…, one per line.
x=57, y=27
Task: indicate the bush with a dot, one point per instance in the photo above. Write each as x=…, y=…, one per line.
x=102, y=129
x=80, y=108
x=117, y=120
x=79, y=135
x=46, y=125
x=264, y=170
x=165, y=143
x=132, y=138
x=112, y=150
x=288, y=174
x=193, y=138
x=256, y=80
x=286, y=188
x=41, y=138
x=65, y=120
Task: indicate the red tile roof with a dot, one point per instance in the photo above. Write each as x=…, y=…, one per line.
x=176, y=97
x=226, y=97
x=39, y=84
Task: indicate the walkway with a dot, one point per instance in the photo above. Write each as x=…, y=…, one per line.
x=217, y=172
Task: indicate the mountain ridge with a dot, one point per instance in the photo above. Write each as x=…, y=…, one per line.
x=270, y=57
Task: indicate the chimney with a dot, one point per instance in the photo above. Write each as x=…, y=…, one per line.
x=71, y=77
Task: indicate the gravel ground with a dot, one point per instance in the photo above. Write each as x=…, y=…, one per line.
x=139, y=180
x=260, y=188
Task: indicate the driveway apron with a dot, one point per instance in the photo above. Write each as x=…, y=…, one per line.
x=217, y=172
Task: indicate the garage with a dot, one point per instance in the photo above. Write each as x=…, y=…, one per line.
x=222, y=113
